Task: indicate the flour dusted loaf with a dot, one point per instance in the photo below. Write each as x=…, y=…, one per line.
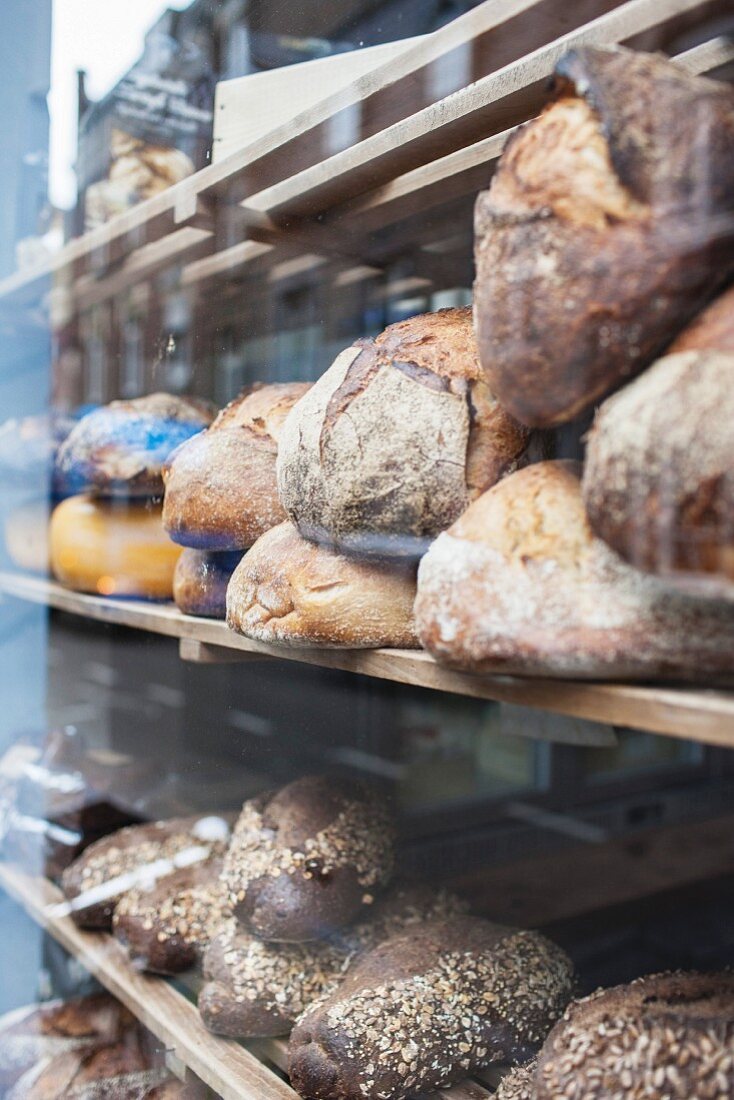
x=396, y=438
x=95, y=882
x=520, y=584
x=667, y=1037
x=221, y=492
x=128, y=1070
x=200, y=582
x=119, y=450
x=606, y=226
x=290, y=590
x=659, y=475
x=425, y=1009
x=256, y=988
x=308, y=859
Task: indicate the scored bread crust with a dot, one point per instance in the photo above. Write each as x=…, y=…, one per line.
x=221, y=491
x=396, y=438
x=605, y=228
x=200, y=581
x=289, y=590
x=666, y=1035
x=659, y=477
x=520, y=584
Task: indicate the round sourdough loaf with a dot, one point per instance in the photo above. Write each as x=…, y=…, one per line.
x=664, y=1036
x=221, y=491
x=119, y=450
x=200, y=581
x=521, y=584
x=395, y=439
x=287, y=589
x=605, y=228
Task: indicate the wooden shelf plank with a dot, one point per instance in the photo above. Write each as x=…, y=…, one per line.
x=699, y=714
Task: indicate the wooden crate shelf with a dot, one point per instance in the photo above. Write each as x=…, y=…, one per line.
x=704, y=715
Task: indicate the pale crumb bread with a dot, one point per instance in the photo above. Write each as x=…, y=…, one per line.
x=308, y=859
x=520, y=584
x=395, y=439
x=300, y=593
x=200, y=581
x=221, y=492
x=426, y=1009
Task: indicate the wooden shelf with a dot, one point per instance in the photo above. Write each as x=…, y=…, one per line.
x=698, y=714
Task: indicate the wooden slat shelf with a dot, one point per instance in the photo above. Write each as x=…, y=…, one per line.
x=704, y=715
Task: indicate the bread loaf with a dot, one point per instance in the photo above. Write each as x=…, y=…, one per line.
x=519, y=1084
x=259, y=989
x=200, y=582
x=287, y=589
x=426, y=1009
x=95, y=882
x=659, y=476
x=607, y=224
x=112, y=548
x=125, y=1071
x=666, y=1036
x=308, y=859
x=395, y=439
x=520, y=584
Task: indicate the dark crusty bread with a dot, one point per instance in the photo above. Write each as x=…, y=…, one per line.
x=290, y=590
x=95, y=882
x=200, y=582
x=605, y=228
x=256, y=988
x=520, y=584
x=221, y=492
x=396, y=438
x=666, y=1037
x=308, y=859
x=120, y=449
x=712, y=330
x=519, y=1084
x=167, y=927
x=425, y=1009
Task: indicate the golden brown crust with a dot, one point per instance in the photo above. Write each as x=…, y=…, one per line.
x=599, y=236
x=221, y=491
x=292, y=591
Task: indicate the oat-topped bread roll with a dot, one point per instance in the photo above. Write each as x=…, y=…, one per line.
x=520, y=584
x=425, y=1009
x=396, y=438
x=287, y=589
x=119, y=450
x=167, y=927
x=138, y=854
x=221, y=492
x=308, y=859
x=607, y=224
x=667, y=1037
x=200, y=581
x=519, y=1084
x=256, y=988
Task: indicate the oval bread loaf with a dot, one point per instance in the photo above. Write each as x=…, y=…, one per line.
x=221, y=492
x=200, y=581
x=308, y=859
x=395, y=439
x=604, y=230
x=458, y=995
x=289, y=590
x=520, y=584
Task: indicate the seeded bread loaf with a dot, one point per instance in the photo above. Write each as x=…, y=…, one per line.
x=125, y=1071
x=665, y=1036
x=292, y=591
x=519, y=1084
x=221, y=492
x=119, y=450
x=395, y=439
x=308, y=859
x=520, y=584
x=608, y=223
x=257, y=989
x=423, y=1010
x=200, y=582
x=95, y=882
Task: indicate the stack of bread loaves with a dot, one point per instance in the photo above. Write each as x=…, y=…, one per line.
x=382, y=453
x=107, y=537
